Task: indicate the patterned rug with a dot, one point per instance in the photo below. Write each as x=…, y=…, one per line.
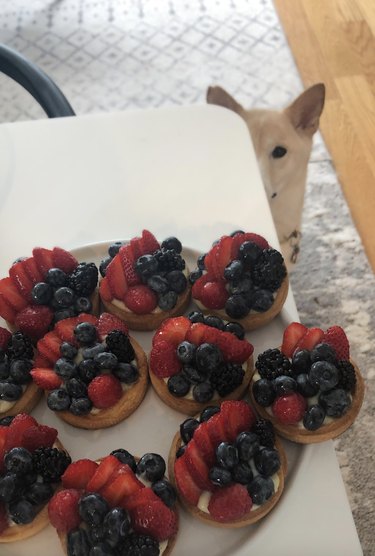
x=117, y=54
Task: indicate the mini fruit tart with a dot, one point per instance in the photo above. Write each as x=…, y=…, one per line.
x=32, y=461
x=309, y=388
x=118, y=505
x=45, y=288
x=94, y=372
x=242, y=279
x=145, y=282
x=199, y=359
x=227, y=466
x=18, y=393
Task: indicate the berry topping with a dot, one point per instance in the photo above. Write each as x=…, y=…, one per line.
x=108, y=322
x=39, y=436
x=34, y=321
x=46, y=378
x=64, y=260
x=140, y=299
x=155, y=519
x=104, y=391
x=213, y=295
x=163, y=360
x=5, y=336
x=292, y=335
x=272, y=363
x=50, y=463
x=230, y=503
x=63, y=510
x=289, y=409
x=185, y=482
x=78, y=474
x=336, y=338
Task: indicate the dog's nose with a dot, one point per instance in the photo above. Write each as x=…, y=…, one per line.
x=273, y=195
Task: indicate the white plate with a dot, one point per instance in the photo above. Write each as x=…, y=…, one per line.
x=151, y=429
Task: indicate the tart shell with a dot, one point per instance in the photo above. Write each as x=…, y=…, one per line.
x=26, y=403
x=326, y=432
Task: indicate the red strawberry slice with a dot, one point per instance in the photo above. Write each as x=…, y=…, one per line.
x=196, y=333
x=64, y=260
x=216, y=430
x=312, y=337
x=140, y=299
x=116, y=278
x=43, y=258
x=16, y=429
x=105, y=290
x=230, y=503
x=41, y=362
x=5, y=336
x=185, y=483
x=6, y=310
x=32, y=270
x=127, y=260
x=234, y=349
x=38, y=436
x=204, y=444
x=79, y=473
x=289, y=409
x=63, y=510
x=121, y=483
x=104, y=391
x=65, y=330
x=34, y=321
x=239, y=239
x=107, y=323
x=198, y=284
x=46, y=378
x=21, y=279
x=223, y=254
x=209, y=262
x=335, y=336
x=292, y=335
x=4, y=524
x=172, y=330
x=86, y=317
x=155, y=519
x=197, y=466
x=49, y=347
x=211, y=335
x=214, y=295
x=149, y=243
x=136, y=248
x=12, y=294
x=237, y=416
x=3, y=436
x=139, y=498
x=107, y=466
x=163, y=360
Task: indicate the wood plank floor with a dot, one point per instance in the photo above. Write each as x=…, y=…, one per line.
x=333, y=41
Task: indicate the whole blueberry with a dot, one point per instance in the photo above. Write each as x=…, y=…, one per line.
x=78, y=542
x=152, y=466
x=88, y=370
x=264, y=392
x=58, y=400
x=85, y=333
x=38, y=493
x=267, y=461
x=324, y=374
x=56, y=277
x=116, y=525
x=18, y=461
x=215, y=322
x=92, y=508
x=20, y=370
x=114, y=248
x=125, y=457
x=10, y=392
x=64, y=314
x=42, y=293
x=323, y=352
x=220, y=476
x=314, y=417
x=165, y=491
x=335, y=402
x=249, y=253
x=236, y=306
x=65, y=368
x=4, y=369
x=83, y=305
x=233, y=271
x=200, y=261
x=80, y=406
x=227, y=455
x=261, y=489
x=172, y=243
x=186, y=351
x=187, y=429
x=193, y=375
x=9, y=487
x=301, y=362
x=194, y=275
x=103, y=265
x=242, y=286
x=208, y=357
x=64, y=297
x=158, y=283
x=284, y=385
x=203, y=392
x=126, y=373
x=196, y=316
x=305, y=386
x=248, y=445
x=103, y=548
x=208, y=412
x=242, y=473
x=178, y=385
x=68, y=351
x=76, y=388
x=106, y=360
x=177, y=281
x=22, y=511
x=91, y=351
x=180, y=451
x=167, y=301
x=235, y=328
x=262, y=300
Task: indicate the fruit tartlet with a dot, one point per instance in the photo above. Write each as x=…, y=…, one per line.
x=94, y=372
x=45, y=288
x=118, y=505
x=32, y=461
x=309, y=388
x=18, y=393
x=198, y=360
x=144, y=282
x=227, y=466
x=241, y=278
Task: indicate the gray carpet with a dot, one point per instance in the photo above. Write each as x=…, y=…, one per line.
x=119, y=54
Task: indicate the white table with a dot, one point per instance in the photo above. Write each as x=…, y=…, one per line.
x=189, y=172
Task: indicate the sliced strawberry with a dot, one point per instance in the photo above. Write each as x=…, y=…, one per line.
x=163, y=360
x=123, y=482
x=105, y=290
x=65, y=330
x=86, y=317
x=185, y=483
x=239, y=239
x=211, y=335
x=63, y=510
x=16, y=429
x=289, y=409
x=127, y=260
x=79, y=473
x=216, y=430
x=209, y=262
x=199, y=284
x=104, y=391
x=107, y=323
x=205, y=446
x=34, y=321
x=107, y=466
x=172, y=330
x=46, y=378
x=3, y=436
x=230, y=503
x=335, y=336
x=233, y=349
x=237, y=416
x=64, y=260
x=139, y=498
x=6, y=310
x=223, y=254
x=140, y=299
x=196, y=333
x=312, y=337
x=32, y=270
x=12, y=294
x=116, y=278
x=4, y=523
x=136, y=248
x=149, y=243
x=43, y=258
x=41, y=362
x=292, y=335
x=197, y=466
x=38, y=436
x=21, y=279
x=155, y=519
x=49, y=346
x=5, y=336
x=214, y=295
x=214, y=263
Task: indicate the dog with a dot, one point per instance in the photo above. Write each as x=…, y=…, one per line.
x=282, y=142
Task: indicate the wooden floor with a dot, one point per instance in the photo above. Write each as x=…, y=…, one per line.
x=333, y=41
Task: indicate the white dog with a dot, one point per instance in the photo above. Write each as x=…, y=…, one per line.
x=282, y=141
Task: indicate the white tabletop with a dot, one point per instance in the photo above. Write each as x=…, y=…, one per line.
x=189, y=172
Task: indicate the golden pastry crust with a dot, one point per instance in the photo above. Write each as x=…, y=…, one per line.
x=326, y=431
x=254, y=320
x=150, y=321
x=253, y=516
x=127, y=404
x=192, y=407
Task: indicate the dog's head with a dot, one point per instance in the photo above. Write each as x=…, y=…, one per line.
x=282, y=141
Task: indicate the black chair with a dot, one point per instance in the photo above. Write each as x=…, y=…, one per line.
x=35, y=81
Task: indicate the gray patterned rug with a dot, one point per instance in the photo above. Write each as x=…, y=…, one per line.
x=118, y=54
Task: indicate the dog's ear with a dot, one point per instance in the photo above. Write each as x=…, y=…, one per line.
x=217, y=95
x=305, y=111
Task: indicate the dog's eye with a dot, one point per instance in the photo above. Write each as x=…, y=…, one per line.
x=279, y=152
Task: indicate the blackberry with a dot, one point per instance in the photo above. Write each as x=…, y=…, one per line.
x=169, y=260
x=138, y=545
x=265, y=431
x=227, y=378
x=84, y=279
x=269, y=270
x=50, y=463
x=347, y=380
x=20, y=347
x=119, y=344
x=272, y=363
